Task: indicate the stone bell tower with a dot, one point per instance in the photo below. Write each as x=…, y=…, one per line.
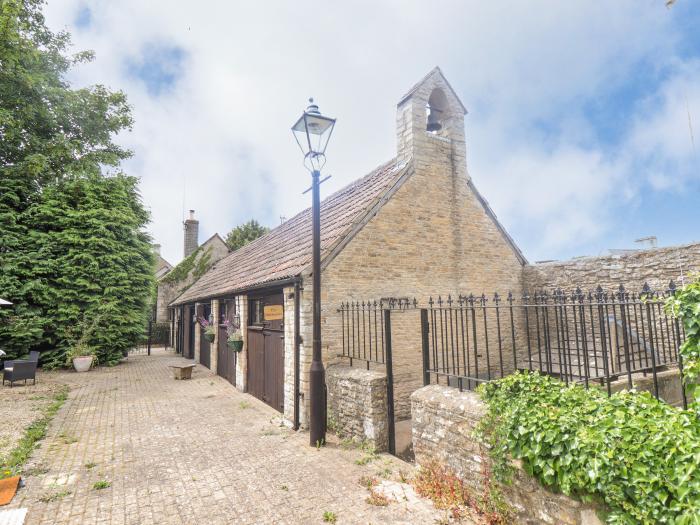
x=430, y=124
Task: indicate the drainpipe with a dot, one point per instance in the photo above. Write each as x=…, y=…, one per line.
x=297, y=342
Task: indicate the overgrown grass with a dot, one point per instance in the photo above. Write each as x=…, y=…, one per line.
x=447, y=491
x=15, y=460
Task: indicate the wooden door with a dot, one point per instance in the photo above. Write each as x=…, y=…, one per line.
x=189, y=328
x=204, y=344
x=226, y=358
x=266, y=349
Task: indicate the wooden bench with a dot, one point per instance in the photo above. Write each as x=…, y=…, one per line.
x=183, y=371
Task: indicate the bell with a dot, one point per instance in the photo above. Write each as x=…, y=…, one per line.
x=433, y=120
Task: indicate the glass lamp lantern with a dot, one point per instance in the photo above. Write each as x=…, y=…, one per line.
x=312, y=132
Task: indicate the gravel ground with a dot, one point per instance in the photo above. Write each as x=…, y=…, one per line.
x=21, y=405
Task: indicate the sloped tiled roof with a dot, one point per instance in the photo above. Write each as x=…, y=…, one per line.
x=285, y=252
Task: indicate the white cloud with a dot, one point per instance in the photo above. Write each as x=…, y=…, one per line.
x=249, y=67
x=663, y=138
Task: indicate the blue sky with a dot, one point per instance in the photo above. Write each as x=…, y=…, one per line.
x=578, y=129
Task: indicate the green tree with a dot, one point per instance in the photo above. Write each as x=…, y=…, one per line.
x=72, y=240
x=245, y=233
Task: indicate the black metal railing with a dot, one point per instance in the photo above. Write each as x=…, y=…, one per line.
x=366, y=337
x=463, y=340
x=362, y=327
x=597, y=337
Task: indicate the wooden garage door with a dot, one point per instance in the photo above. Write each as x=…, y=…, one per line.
x=204, y=344
x=226, y=358
x=266, y=349
x=190, y=327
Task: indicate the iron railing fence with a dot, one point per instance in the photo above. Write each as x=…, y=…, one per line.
x=595, y=337
x=366, y=337
x=578, y=337
x=363, y=327
x=158, y=333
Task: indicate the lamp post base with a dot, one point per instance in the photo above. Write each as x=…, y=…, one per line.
x=317, y=402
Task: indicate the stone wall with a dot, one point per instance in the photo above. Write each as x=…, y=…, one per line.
x=656, y=266
x=444, y=420
x=668, y=381
x=357, y=406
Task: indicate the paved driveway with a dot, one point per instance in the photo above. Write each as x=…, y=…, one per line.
x=191, y=452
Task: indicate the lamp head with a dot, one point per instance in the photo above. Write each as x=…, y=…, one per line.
x=312, y=132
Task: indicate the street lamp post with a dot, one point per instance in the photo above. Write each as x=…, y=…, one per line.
x=312, y=132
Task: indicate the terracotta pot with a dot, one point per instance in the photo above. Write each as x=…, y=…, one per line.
x=236, y=346
x=83, y=363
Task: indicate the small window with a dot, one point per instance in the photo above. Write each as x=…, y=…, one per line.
x=256, y=311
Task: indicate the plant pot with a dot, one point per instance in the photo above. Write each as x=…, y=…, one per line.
x=210, y=337
x=83, y=363
x=236, y=346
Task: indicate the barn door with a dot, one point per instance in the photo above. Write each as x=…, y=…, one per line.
x=266, y=349
x=190, y=326
x=226, y=357
x=204, y=344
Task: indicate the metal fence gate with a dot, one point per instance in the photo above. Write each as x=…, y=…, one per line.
x=367, y=338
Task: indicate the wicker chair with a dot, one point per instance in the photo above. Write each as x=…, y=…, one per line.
x=19, y=369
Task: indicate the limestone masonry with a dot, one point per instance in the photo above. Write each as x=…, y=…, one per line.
x=444, y=420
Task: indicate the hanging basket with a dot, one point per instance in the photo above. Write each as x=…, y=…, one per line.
x=236, y=346
x=210, y=337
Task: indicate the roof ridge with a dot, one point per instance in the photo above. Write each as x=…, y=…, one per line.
x=289, y=222
x=285, y=251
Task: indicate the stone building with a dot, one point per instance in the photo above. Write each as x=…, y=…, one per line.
x=415, y=226
x=162, y=266
x=196, y=262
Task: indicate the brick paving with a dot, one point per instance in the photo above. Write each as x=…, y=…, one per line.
x=186, y=452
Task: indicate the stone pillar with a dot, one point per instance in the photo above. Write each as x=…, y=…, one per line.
x=213, y=349
x=357, y=404
x=289, y=300
x=242, y=360
x=306, y=348
x=197, y=334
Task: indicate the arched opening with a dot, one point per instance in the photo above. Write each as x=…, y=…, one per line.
x=436, y=111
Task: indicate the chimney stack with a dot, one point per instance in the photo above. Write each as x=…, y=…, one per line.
x=191, y=234
x=156, y=249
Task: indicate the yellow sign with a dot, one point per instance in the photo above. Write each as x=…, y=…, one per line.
x=274, y=312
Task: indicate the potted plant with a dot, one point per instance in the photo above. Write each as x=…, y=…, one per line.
x=209, y=329
x=81, y=355
x=235, y=340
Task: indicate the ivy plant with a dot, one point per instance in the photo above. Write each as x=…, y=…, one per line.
x=685, y=305
x=638, y=455
x=194, y=265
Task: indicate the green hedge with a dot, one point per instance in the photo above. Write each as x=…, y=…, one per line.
x=638, y=455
